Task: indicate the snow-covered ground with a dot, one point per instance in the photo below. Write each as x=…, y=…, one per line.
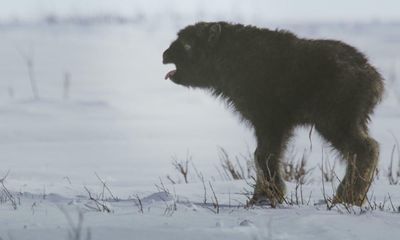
x=126, y=124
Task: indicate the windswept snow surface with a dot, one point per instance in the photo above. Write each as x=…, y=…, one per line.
x=123, y=122
x=175, y=216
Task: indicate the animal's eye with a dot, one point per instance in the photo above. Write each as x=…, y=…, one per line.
x=187, y=47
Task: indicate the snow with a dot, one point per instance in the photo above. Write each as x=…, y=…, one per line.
x=123, y=123
x=46, y=217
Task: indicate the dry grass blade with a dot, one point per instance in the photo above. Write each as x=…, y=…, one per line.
x=139, y=204
x=214, y=199
x=394, y=179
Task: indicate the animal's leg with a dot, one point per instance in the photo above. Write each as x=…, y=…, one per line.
x=269, y=183
x=361, y=153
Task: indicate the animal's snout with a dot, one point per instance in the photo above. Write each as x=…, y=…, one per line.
x=167, y=56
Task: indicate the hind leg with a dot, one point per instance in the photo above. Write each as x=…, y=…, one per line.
x=362, y=162
x=361, y=152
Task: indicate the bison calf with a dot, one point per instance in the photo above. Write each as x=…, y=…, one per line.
x=277, y=81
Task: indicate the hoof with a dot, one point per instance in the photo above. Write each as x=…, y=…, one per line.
x=350, y=195
x=262, y=200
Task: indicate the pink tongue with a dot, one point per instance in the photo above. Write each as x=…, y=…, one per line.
x=170, y=74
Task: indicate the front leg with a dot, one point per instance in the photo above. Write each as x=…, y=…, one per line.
x=269, y=183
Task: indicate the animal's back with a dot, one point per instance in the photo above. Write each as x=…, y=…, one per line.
x=310, y=78
x=339, y=79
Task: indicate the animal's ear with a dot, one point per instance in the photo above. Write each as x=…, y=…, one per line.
x=214, y=33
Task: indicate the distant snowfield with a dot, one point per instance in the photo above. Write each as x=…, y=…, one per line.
x=272, y=10
x=123, y=122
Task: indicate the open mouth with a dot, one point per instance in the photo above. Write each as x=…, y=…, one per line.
x=170, y=74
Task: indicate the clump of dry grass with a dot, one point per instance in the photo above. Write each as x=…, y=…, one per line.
x=234, y=170
x=182, y=166
x=295, y=169
x=6, y=195
x=101, y=199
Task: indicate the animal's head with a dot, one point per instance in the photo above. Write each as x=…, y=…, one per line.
x=192, y=54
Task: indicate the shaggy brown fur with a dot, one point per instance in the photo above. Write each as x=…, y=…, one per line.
x=277, y=81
